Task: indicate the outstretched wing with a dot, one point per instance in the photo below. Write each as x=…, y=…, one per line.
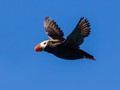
x=52, y=29
x=81, y=31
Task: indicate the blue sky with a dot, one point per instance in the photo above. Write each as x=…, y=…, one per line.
x=21, y=28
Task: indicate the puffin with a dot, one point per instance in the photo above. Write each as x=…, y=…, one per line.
x=69, y=48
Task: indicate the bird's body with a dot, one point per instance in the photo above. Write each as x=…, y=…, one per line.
x=65, y=48
x=66, y=52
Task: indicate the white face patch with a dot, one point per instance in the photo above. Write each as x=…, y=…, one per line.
x=43, y=44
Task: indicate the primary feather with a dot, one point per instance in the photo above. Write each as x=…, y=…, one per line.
x=52, y=29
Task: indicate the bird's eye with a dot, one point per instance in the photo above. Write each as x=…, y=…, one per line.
x=44, y=43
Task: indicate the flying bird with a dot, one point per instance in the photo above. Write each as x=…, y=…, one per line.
x=68, y=48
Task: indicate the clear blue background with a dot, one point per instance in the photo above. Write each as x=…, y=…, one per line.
x=21, y=29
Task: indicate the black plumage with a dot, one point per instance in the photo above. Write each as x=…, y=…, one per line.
x=66, y=48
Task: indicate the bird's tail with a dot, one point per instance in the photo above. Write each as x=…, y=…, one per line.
x=86, y=55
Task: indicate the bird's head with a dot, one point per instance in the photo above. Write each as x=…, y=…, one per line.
x=41, y=46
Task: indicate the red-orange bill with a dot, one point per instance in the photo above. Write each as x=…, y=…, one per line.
x=38, y=48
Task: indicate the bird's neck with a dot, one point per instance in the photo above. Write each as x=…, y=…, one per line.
x=47, y=49
x=50, y=48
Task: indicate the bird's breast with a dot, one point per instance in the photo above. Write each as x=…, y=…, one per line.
x=66, y=52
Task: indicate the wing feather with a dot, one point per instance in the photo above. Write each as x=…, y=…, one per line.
x=81, y=31
x=53, y=30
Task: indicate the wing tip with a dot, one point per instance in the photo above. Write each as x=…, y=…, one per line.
x=47, y=21
x=46, y=17
x=84, y=25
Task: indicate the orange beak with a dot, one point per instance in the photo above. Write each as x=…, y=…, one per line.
x=38, y=48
